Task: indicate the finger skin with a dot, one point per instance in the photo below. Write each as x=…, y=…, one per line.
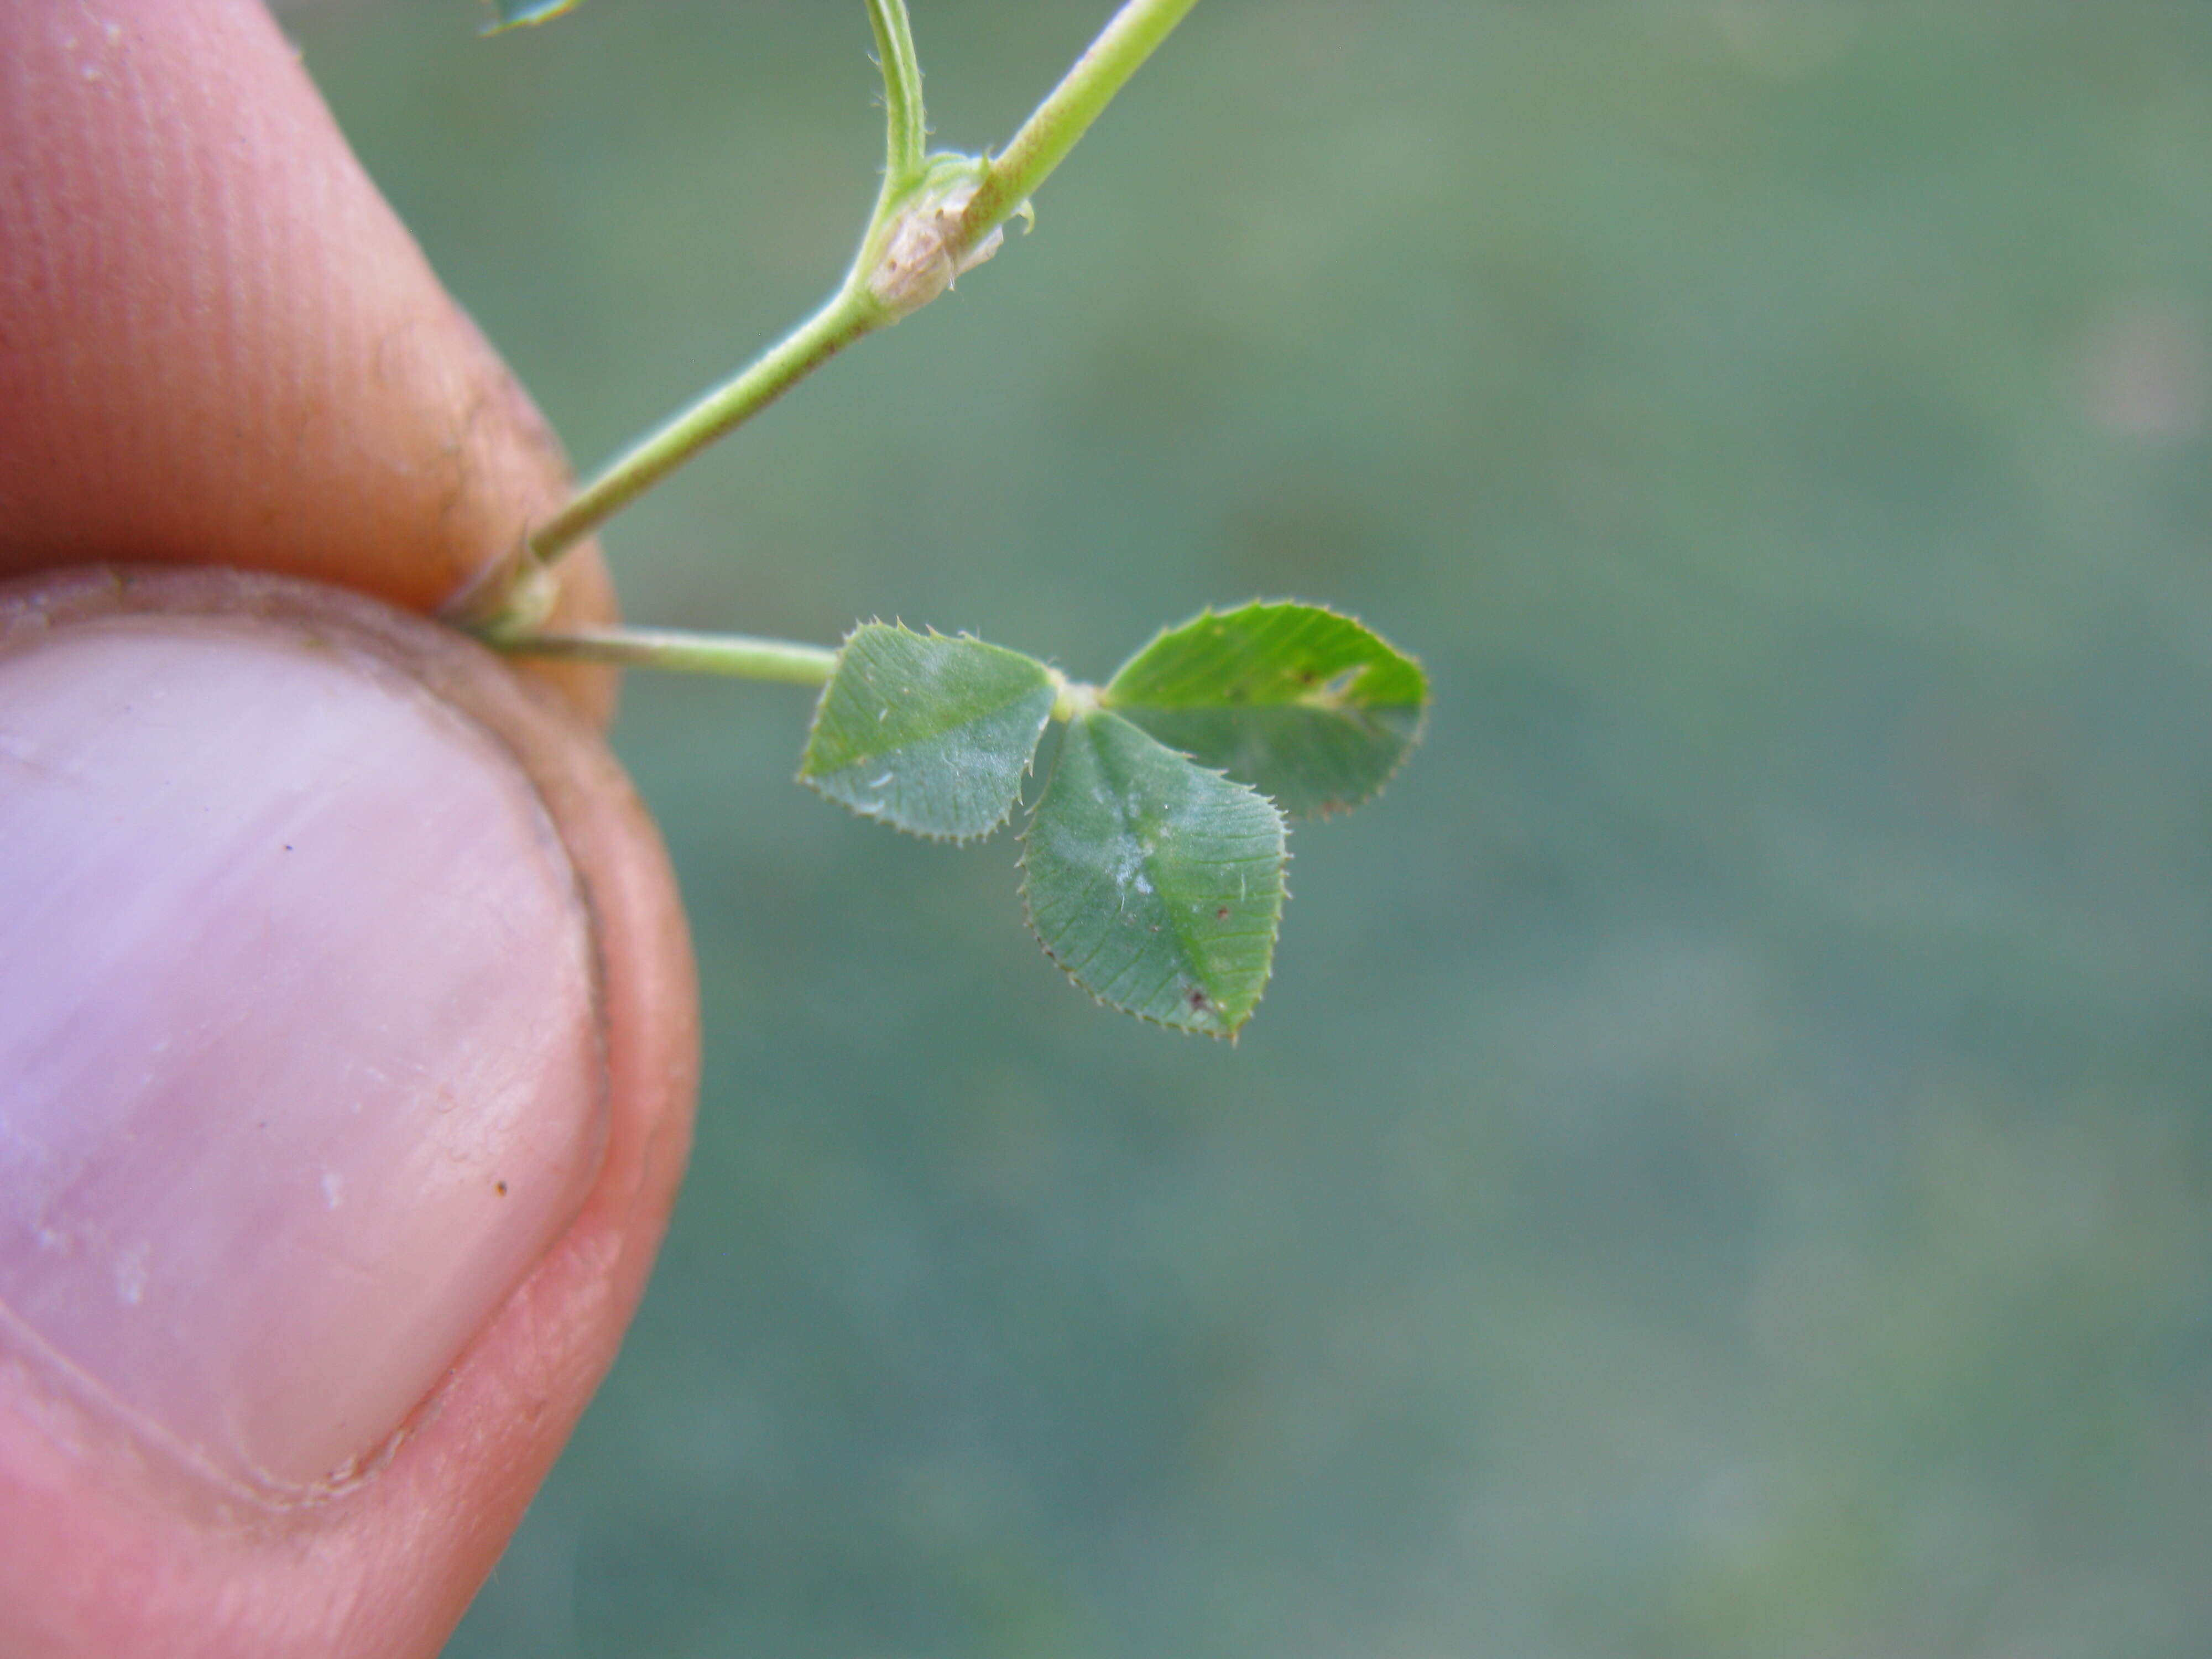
x=107, y=1552
x=218, y=345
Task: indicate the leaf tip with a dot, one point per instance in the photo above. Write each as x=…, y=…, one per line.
x=519, y=14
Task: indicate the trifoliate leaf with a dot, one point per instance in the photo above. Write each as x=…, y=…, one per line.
x=1308, y=706
x=929, y=732
x=1157, y=884
x=510, y=14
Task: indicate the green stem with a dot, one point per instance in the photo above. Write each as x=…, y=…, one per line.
x=908, y=132
x=849, y=315
x=733, y=655
x=857, y=309
x=1067, y=112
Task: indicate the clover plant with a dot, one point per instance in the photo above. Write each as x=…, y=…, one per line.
x=1153, y=861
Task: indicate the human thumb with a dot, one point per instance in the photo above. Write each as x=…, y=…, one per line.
x=346, y=1051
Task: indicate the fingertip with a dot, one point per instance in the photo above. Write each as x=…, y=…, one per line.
x=221, y=345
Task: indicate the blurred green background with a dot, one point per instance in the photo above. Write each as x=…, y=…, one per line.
x=1722, y=1167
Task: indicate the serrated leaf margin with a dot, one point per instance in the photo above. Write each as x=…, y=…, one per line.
x=1283, y=856
x=1208, y=613
x=1028, y=766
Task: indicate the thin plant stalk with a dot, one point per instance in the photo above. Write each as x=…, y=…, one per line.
x=1068, y=111
x=733, y=656
x=1003, y=188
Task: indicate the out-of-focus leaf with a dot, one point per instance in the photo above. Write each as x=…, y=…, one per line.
x=512, y=14
x=929, y=732
x=1306, y=706
x=1157, y=884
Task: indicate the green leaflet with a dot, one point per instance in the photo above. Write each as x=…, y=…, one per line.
x=1157, y=884
x=1309, y=707
x=928, y=733
x=510, y=14
x=1152, y=879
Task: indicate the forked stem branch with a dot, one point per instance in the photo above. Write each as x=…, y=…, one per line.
x=914, y=210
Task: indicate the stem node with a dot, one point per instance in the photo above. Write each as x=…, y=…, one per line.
x=935, y=218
